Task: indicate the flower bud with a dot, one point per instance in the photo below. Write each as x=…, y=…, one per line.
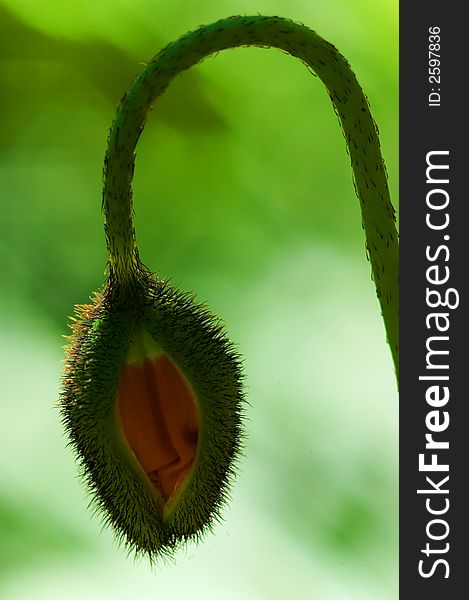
x=152, y=403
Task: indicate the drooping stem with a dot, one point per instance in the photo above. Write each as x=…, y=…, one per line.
x=349, y=103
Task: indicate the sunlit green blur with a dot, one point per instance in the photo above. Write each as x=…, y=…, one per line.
x=243, y=193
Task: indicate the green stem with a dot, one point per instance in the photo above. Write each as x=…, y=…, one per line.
x=349, y=102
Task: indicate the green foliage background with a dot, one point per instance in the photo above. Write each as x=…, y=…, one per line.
x=243, y=194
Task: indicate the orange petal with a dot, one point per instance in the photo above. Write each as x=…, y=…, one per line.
x=158, y=413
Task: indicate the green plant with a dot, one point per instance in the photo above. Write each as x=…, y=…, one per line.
x=152, y=397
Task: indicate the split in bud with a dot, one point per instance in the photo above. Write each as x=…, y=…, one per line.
x=158, y=412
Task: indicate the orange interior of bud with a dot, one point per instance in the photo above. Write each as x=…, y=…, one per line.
x=159, y=418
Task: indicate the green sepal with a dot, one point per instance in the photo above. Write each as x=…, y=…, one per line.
x=196, y=343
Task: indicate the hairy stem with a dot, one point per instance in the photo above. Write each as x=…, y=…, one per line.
x=349, y=102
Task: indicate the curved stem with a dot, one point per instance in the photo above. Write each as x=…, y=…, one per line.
x=349, y=102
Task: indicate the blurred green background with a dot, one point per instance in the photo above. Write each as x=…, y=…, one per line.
x=243, y=194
